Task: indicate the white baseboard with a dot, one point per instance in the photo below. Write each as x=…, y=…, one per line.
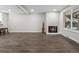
x=72, y=38
x=77, y=41
x=24, y=32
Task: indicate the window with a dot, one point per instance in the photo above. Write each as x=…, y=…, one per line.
x=75, y=17
x=67, y=17
x=71, y=19
x=1, y=21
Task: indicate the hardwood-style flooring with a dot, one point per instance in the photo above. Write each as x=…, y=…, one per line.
x=36, y=43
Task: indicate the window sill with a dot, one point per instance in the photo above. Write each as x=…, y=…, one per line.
x=71, y=30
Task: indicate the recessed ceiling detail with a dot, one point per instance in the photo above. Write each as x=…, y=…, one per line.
x=27, y=9
x=45, y=8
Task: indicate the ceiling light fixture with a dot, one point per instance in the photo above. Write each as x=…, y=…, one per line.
x=54, y=9
x=9, y=10
x=32, y=10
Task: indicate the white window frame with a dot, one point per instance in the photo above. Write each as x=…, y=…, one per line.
x=71, y=28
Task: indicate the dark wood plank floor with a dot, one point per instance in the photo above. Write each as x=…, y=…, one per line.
x=36, y=43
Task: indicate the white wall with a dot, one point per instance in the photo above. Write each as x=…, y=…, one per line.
x=70, y=34
x=25, y=23
x=18, y=22
x=52, y=19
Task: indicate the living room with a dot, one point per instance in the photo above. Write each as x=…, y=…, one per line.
x=39, y=28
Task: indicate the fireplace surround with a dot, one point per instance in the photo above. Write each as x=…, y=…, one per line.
x=52, y=29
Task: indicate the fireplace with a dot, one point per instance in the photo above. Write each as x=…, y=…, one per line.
x=52, y=29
